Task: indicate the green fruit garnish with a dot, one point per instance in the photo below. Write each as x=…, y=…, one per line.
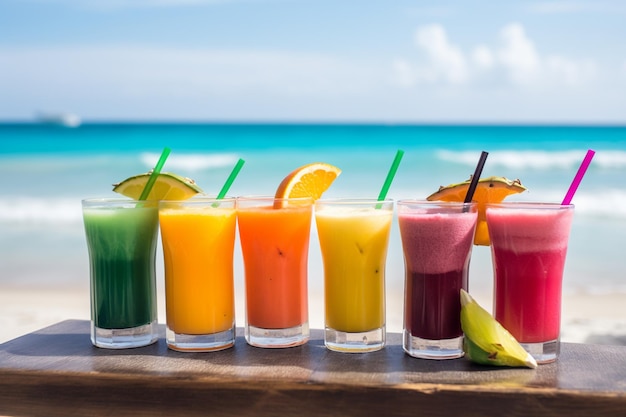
x=168, y=186
x=486, y=341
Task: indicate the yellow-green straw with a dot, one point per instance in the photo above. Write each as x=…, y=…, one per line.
x=155, y=173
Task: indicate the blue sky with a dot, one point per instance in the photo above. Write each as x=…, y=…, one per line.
x=299, y=60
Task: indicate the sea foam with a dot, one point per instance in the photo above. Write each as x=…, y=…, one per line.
x=608, y=203
x=36, y=210
x=543, y=160
x=191, y=162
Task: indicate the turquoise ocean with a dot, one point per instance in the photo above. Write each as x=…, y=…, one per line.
x=46, y=170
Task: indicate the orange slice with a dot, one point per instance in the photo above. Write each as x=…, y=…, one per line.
x=310, y=180
x=488, y=190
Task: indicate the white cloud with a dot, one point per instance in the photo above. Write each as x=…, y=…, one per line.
x=570, y=72
x=404, y=75
x=515, y=59
x=470, y=82
x=483, y=57
x=526, y=66
x=446, y=61
x=518, y=55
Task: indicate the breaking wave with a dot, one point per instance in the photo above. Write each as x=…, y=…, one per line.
x=609, y=204
x=191, y=161
x=540, y=160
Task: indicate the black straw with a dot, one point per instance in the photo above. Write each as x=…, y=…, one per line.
x=476, y=177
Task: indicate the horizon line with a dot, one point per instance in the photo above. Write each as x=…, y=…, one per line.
x=321, y=122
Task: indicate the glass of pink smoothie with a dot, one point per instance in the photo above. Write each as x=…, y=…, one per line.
x=437, y=240
x=528, y=246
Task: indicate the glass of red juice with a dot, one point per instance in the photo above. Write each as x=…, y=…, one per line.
x=528, y=246
x=437, y=240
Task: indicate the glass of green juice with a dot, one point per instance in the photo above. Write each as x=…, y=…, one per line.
x=121, y=240
x=353, y=236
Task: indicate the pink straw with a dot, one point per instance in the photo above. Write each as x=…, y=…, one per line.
x=578, y=178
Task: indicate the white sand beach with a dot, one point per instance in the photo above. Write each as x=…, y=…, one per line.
x=599, y=318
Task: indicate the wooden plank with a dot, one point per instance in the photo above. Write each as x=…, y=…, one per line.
x=57, y=372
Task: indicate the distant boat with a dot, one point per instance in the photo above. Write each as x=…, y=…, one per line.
x=59, y=119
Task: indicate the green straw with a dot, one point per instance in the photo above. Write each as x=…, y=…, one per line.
x=230, y=179
x=390, y=175
x=155, y=173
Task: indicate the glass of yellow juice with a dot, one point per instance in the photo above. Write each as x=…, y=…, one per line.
x=274, y=236
x=198, y=237
x=354, y=235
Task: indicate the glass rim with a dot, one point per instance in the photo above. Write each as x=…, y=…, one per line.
x=272, y=198
x=117, y=201
x=199, y=199
x=353, y=201
x=513, y=205
x=411, y=201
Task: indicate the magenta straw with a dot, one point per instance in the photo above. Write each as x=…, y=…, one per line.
x=578, y=178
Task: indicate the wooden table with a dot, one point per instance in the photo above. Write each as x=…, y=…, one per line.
x=57, y=372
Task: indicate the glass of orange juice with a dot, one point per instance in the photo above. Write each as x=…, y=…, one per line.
x=198, y=238
x=354, y=235
x=274, y=234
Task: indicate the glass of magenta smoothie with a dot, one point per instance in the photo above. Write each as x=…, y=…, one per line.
x=528, y=245
x=437, y=239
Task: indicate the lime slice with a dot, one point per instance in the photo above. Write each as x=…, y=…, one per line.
x=168, y=186
x=486, y=341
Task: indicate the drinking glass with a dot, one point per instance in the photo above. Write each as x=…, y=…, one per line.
x=274, y=236
x=354, y=235
x=437, y=240
x=198, y=237
x=121, y=240
x=529, y=245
